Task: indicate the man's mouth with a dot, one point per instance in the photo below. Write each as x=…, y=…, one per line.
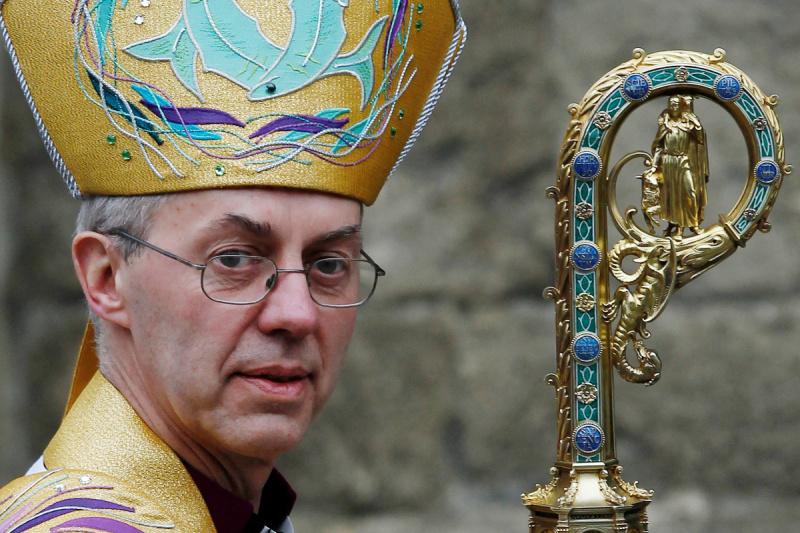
x=280, y=379
x=279, y=383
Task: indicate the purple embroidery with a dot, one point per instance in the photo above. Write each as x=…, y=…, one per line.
x=69, y=505
x=304, y=123
x=394, y=29
x=193, y=115
x=22, y=511
x=99, y=524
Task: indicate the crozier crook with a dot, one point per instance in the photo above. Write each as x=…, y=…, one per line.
x=670, y=238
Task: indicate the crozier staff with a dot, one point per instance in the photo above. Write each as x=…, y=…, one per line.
x=223, y=155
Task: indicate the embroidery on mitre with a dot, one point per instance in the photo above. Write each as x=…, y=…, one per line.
x=261, y=68
x=53, y=498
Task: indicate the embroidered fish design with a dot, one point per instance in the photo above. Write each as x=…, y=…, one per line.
x=229, y=42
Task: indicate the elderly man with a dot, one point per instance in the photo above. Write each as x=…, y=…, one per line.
x=223, y=152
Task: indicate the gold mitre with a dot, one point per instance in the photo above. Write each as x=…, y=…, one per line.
x=155, y=96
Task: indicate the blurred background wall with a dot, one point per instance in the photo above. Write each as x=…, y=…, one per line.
x=442, y=417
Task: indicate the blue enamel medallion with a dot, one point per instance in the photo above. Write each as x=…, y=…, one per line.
x=586, y=347
x=589, y=438
x=767, y=172
x=585, y=255
x=586, y=165
x=635, y=87
x=728, y=88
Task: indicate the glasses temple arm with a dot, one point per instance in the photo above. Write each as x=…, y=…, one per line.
x=378, y=270
x=127, y=235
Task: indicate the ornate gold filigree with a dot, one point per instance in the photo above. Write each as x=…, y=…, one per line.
x=608, y=493
x=653, y=279
x=584, y=210
x=561, y=295
x=602, y=120
x=570, y=492
x=663, y=264
x=542, y=494
x=628, y=488
x=586, y=393
x=585, y=302
x=644, y=293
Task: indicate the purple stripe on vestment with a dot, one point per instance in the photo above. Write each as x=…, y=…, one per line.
x=13, y=519
x=394, y=29
x=100, y=524
x=69, y=505
x=304, y=123
x=193, y=115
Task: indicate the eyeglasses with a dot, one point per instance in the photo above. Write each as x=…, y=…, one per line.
x=238, y=279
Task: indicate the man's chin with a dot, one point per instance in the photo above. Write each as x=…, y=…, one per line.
x=267, y=437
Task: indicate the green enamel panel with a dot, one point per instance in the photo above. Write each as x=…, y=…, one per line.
x=583, y=191
x=662, y=76
x=748, y=105
x=585, y=322
x=588, y=412
x=592, y=138
x=583, y=230
x=613, y=103
x=666, y=75
x=584, y=283
x=702, y=76
x=756, y=202
x=741, y=225
x=588, y=374
x=765, y=143
x=759, y=196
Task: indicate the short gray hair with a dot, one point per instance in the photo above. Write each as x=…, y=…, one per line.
x=134, y=214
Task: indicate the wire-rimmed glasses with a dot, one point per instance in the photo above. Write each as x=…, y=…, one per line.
x=238, y=279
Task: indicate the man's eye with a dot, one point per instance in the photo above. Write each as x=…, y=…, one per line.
x=232, y=259
x=330, y=267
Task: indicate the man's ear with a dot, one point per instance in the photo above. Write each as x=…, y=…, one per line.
x=97, y=264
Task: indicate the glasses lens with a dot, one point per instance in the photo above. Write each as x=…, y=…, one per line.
x=341, y=282
x=238, y=278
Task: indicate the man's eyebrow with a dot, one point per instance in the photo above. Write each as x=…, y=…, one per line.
x=341, y=233
x=242, y=222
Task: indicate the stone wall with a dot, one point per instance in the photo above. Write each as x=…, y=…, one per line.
x=442, y=413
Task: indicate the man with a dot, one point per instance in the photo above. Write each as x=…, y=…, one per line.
x=223, y=152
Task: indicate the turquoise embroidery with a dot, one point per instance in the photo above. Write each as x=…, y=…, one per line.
x=221, y=38
x=186, y=130
x=103, y=12
x=229, y=43
x=332, y=113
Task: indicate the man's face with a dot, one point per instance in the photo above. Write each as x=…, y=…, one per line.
x=239, y=381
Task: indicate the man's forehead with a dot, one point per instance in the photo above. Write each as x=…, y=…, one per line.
x=259, y=211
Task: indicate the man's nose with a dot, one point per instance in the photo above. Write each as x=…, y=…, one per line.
x=288, y=307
